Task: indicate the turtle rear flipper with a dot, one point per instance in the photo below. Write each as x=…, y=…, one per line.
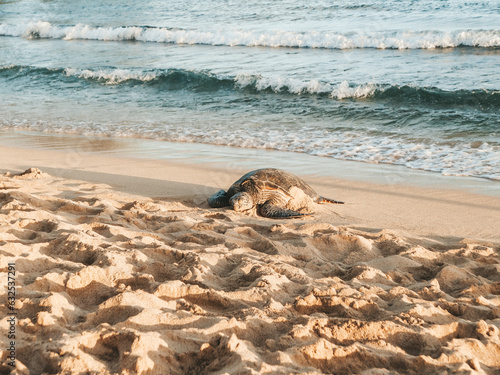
x=219, y=199
x=275, y=212
x=327, y=200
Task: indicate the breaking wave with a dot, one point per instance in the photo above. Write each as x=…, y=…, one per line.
x=205, y=81
x=430, y=39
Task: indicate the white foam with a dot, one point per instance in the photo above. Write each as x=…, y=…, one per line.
x=231, y=37
x=339, y=91
x=110, y=77
x=459, y=159
x=344, y=90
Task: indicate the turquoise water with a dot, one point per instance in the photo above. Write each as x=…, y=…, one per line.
x=411, y=83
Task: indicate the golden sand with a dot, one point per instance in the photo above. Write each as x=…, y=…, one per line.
x=110, y=282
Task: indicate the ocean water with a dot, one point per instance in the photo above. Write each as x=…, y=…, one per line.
x=410, y=83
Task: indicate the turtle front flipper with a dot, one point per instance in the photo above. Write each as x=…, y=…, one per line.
x=219, y=199
x=276, y=212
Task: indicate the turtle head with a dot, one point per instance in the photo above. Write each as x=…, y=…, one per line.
x=241, y=201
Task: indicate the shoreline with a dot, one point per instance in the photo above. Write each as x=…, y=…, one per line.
x=440, y=214
x=244, y=159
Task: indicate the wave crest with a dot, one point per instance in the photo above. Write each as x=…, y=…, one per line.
x=378, y=39
x=206, y=81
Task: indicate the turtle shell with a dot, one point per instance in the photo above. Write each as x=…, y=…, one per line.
x=271, y=180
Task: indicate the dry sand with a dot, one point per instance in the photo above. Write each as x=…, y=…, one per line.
x=122, y=268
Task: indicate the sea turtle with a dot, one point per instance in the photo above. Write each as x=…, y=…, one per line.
x=276, y=193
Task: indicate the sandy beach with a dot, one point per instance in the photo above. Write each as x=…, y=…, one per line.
x=121, y=267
